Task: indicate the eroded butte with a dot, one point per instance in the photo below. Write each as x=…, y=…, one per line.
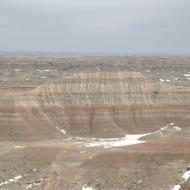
x=94, y=123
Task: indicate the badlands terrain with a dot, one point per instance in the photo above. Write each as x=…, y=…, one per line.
x=94, y=123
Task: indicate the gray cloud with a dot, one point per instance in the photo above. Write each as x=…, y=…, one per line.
x=138, y=26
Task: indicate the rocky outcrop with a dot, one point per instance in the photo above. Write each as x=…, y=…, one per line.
x=104, y=104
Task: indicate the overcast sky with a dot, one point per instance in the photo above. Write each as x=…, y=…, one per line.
x=109, y=26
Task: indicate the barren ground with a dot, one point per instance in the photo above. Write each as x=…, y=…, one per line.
x=63, y=123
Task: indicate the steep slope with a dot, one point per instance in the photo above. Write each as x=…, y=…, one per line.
x=103, y=104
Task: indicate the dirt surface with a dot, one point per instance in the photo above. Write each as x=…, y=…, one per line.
x=70, y=123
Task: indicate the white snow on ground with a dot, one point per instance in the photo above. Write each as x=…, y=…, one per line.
x=19, y=146
x=46, y=70
x=117, y=142
x=185, y=177
x=31, y=185
x=85, y=187
x=169, y=125
x=166, y=80
x=11, y=180
x=124, y=141
x=139, y=181
x=43, y=77
x=177, y=187
x=17, y=178
x=61, y=130
x=177, y=128
x=187, y=75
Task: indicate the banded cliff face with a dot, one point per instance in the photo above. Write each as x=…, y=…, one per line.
x=103, y=104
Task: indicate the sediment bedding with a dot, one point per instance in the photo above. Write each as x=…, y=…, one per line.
x=104, y=104
x=63, y=130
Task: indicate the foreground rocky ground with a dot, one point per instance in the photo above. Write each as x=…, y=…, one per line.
x=69, y=123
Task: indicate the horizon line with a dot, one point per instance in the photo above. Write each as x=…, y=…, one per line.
x=83, y=53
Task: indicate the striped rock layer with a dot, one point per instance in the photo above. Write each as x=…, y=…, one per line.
x=101, y=104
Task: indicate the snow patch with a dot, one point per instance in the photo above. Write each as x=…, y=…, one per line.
x=117, y=142
x=19, y=146
x=186, y=175
x=185, y=178
x=167, y=80
x=139, y=181
x=11, y=180
x=164, y=128
x=177, y=128
x=177, y=187
x=86, y=187
x=187, y=75
x=124, y=141
x=29, y=186
x=61, y=130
